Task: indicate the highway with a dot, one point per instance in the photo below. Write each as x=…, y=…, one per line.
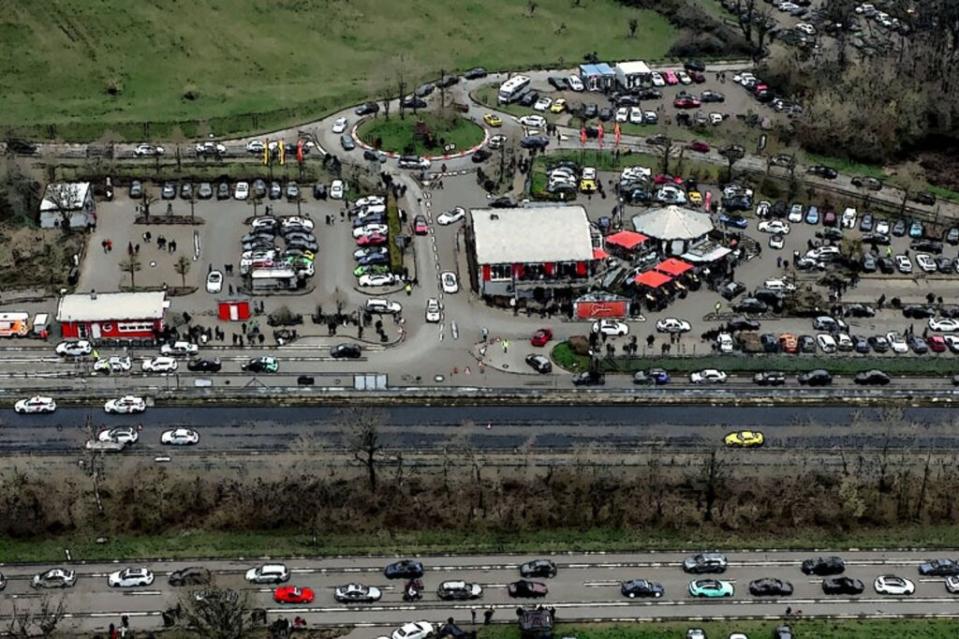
x=585, y=588
x=248, y=429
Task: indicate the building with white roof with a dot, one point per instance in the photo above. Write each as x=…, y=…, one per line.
x=632, y=75
x=113, y=317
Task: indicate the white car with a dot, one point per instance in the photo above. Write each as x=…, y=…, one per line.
x=212, y=148
x=776, y=241
x=745, y=76
x=926, y=263
x=241, y=191
x=844, y=342
x=635, y=115
x=180, y=437
x=777, y=227
x=337, y=189
x=781, y=285
x=823, y=253
x=130, y=578
x=55, y=578
x=125, y=405
x=806, y=28
x=380, y=306
x=255, y=146
x=542, y=104
x=952, y=584
x=161, y=364
x=795, y=213
x=452, y=216
x=119, y=435
x=683, y=77
x=897, y=343
x=588, y=173
x=74, y=348
x=533, y=121
x=848, y=219
x=716, y=118
x=708, y=376
x=179, y=348
x=673, y=325
x=450, y=285
x=377, y=279
x=268, y=574
x=35, y=404
x=611, y=328
x=657, y=79
x=294, y=220
x=214, y=282
x=882, y=227
x=340, y=125
x=725, y=342
x=893, y=585
x=433, y=311
x=575, y=84
x=952, y=341
x=903, y=264
x=414, y=630
x=370, y=200
x=826, y=343
x=943, y=324
x=370, y=229
x=148, y=150
x=622, y=114
x=113, y=364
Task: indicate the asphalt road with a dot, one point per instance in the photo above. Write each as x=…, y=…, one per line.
x=542, y=428
x=586, y=588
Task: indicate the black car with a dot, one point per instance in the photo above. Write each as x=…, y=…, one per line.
x=539, y=363
x=373, y=156
x=769, y=342
x=413, y=102
x=867, y=183
x=642, y=588
x=742, y=324
x=860, y=310
x=605, y=114
x=368, y=108
x=879, y=343
x=945, y=264
x=193, y=576
x=558, y=82
x=481, y=155
x=924, y=198
x=770, y=378
x=424, y=90
x=951, y=236
x=694, y=65
x=534, y=142
x=346, y=141
x=770, y=587
x=260, y=365
x=939, y=568
x=345, y=351
x=627, y=100
x=917, y=344
x=874, y=377
x=705, y=563
x=823, y=566
x=823, y=171
x=866, y=223
x=205, y=365
x=648, y=94
x=750, y=305
x=528, y=99
x=886, y=265
x=711, y=96
x=729, y=290
x=319, y=191
x=458, y=591
x=927, y=246
x=818, y=377
x=223, y=191
x=842, y=586
x=918, y=311
x=526, y=588
x=542, y=568
x=447, y=81
x=807, y=344
x=654, y=376
x=404, y=569
x=475, y=73
x=588, y=378
x=869, y=263
x=503, y=202
x=590, y=111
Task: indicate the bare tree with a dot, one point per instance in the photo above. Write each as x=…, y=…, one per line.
x=665, y=145
x=131, y=264
x=182, y=267
x=712, y=478
x=733, y=153
x=363, y=427
x=531, y=8
x=42, y=620
x=63, y=196
x=219, y=614
x=147, y=200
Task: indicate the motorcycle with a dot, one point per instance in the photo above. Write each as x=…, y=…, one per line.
x=413, y=590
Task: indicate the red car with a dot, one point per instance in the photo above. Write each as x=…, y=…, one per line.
x=686, y=103
x=699, y=147
x=544, y=335
x=697, y=77
x=293, y=595
x=420, y=227
x=373, y=239
x=936, y=343
x=670, y=78
x=663, y=179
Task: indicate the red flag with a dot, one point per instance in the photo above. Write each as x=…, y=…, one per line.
x=600, y=135
x=299, y=150
x=582, y=135
x=618, y=133
x=709, y=200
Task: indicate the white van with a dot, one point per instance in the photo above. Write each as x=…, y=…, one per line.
x=848, y=219
x=41, y=326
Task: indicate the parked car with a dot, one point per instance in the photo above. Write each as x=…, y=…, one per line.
x=823, y=566
x=404, y=569
x=705, y=563
x=524, y=588
x=357, y=593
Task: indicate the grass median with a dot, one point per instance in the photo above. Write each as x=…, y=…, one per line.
x=928, y=365
x=402, y=135
x=287, y=543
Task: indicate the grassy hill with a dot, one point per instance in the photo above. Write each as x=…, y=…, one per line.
x=188, y=67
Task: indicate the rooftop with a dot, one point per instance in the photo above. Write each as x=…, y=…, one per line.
x=532, y=235
x=672, y=223
x=102, y=307
x=630, y=68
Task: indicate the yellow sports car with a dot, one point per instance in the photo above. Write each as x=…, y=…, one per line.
x=745, y=439
x=491, y=119
x=695, y=197
x=558, y=106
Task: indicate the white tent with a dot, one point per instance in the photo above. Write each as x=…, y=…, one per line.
x=672, y=223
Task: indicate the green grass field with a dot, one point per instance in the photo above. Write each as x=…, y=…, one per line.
x=819, y=628
x=397, y=134
x=162, y=68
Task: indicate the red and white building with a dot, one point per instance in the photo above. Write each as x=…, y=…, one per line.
x=514, y=251
x=112, y=317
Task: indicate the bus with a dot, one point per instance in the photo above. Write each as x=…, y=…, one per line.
x=14, y=324
x=513, y=89
x=273, y=279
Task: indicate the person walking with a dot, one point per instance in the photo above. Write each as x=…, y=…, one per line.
x=473, y=615
x=487, y=616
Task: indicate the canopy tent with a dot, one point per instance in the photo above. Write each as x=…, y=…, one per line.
x=628, y=240
x=673, y=267
x=672, y=223
x=652, y=279
x=599, y=253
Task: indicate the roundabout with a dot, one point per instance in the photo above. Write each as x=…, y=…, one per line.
x=424, y=134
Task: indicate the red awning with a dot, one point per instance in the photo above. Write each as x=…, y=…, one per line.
x=626, y=239
x=652, y=279
x=673, y=267
x=599, y=253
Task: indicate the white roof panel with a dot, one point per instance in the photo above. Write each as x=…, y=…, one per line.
x=532, y=235
x=111, y=306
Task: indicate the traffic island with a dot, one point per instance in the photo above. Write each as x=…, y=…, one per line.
x=424, y=133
